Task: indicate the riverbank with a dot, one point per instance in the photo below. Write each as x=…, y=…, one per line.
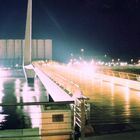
x=20, y=134
x=128, y=69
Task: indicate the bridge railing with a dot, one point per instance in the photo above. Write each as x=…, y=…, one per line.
x=124, y=75
x=18, y=123
x=66, y=84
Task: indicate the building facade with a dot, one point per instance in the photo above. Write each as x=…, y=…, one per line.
x=11, y=51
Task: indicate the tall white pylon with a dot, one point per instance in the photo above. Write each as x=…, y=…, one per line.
x=28, y=35
x=27, y=54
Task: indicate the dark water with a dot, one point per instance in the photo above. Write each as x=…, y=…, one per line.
x=14, y=89
x=110, y=103
x=114, y=103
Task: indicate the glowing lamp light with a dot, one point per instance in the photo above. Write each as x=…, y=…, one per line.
x=88, y=69
x=4, y=73
x=82, y=50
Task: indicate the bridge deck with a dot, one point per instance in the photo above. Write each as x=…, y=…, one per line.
x=57, y=93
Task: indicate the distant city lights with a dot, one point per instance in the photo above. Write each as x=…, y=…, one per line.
x=101, y=60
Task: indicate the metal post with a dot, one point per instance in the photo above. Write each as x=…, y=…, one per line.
x=81, y=115
x=82, y=118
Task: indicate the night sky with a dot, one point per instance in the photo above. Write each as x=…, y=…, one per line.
x=100, y=27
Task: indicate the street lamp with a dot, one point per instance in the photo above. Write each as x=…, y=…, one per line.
x=71, y=55
x=71, y=59
x=82, y=52
x=105, y=58
x=132, y=61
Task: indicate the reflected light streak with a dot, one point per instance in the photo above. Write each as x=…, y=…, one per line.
x=1, y=92
x=36, y=85
x=35, y=115
x=127, y=94
x=17, y=89
x=2, y=116
x=101, y=87
x=32, y=96
x=112, y=81
x=112, y=94
x=1, y=84
x=127, y=102
x=25, y=94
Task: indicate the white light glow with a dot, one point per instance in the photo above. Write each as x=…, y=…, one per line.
x=1, y=96
x=88, y=69
x=4, y=73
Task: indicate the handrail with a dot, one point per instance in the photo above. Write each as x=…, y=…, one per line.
x=124, y=75
x=59, y=79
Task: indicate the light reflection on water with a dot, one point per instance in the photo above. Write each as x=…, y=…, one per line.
x=23, y=93
x=117, y=101
x=127, y=101
x=1, y=96
x=109, y=102
x=113, y=101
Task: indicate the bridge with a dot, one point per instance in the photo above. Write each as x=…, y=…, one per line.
x=65, y=83
x=73, y=86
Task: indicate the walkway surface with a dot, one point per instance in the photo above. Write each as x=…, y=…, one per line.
x=121, y=136
x=57, y=93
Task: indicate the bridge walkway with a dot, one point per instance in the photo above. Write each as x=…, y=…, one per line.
x=55, y=91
